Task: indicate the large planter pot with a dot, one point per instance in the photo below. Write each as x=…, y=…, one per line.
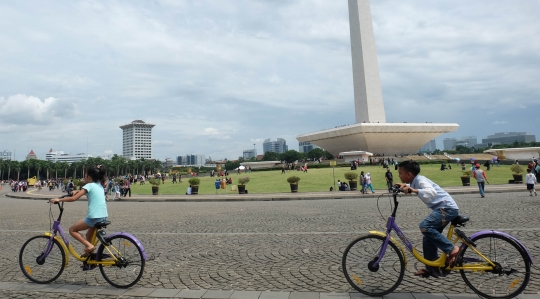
x=194, y=190
x=155, y=190
x=241, y=189
x=518, y=178
x=466, y=180
x=353, y=185
x=294, y=188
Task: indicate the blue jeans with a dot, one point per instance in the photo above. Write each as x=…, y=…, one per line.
x=481, y=187
x=432, y=228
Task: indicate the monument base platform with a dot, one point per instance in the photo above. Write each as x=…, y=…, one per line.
x=378, y=138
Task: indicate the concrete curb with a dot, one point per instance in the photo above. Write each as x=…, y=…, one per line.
x=276, y=196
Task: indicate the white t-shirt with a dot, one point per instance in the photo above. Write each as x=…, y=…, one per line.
x=530, y=178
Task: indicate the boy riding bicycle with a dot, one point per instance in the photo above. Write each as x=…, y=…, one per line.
x=444, y=210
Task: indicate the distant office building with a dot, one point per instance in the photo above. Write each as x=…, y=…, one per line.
x=248, y=154
x=306, y=147
x=31, y=155
x=190, y=160
x=279, y=146
x=5, y=155
x=451, y=143
x=509, y=138
x=60, y=156
x=137, y=140
x=429, y=147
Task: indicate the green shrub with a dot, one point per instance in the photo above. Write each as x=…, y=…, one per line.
x=467, y=173
x=154, y=182
x=351, y=176
x=293, y=179
x=243, y=181
x=194, y=181
x=516, y=168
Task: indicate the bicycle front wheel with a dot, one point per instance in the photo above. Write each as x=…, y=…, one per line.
x=41, y=269
x=129, y=262
x=511, y=275
x=358, y=266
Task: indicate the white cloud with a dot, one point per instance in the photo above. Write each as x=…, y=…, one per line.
x=522, y=106
x=23, y=109
x=500, y=122
x=163, y=143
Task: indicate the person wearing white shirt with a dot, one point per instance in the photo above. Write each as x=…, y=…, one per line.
x=530, y=180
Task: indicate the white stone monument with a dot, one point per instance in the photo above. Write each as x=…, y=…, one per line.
x=371, y=132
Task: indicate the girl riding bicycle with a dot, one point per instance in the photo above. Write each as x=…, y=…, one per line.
x=97, y=207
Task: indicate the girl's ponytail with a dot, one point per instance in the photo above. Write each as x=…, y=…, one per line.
x=97, y=173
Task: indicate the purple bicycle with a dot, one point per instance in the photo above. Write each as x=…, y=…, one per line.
x=492, y=263
x=120, y=256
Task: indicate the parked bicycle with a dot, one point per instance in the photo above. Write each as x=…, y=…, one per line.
x=120, y=256
x=492, y=263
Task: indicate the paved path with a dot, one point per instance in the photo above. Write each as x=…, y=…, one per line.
x=257, y=249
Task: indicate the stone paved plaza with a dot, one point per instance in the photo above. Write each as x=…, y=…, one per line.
x=293, y=246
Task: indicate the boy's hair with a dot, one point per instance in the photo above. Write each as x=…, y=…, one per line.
x=528, y=170
x=97, y=173
x=410, y=166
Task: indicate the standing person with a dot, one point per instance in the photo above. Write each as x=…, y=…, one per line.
x=282, y=168
x=174, y=177
x=363, y=182
x=97, y=207
x=368, y=182
x=444, y=210
x=389, y=179
x=480, y=177
x=110, y=186
x=127, y=188
x=116, y=190
x=531, y=180
x=487, y=165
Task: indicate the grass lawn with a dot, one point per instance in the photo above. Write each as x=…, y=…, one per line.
x=321, y=180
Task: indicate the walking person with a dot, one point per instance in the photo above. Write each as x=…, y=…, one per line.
x=481, y=178
x=531, y=180
x=389, y=179
x=368, y=183
x=127, y=188
x=363, y=182
x=174, y=177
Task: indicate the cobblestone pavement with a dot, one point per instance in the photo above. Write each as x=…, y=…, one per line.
x=262, y=246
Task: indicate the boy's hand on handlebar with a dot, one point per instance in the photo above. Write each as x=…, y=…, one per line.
x=404, y=188
x=54, y=200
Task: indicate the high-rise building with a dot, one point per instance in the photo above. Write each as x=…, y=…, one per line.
x=467, y=141
x=191, y=160
x=279, y=146
x=429, y=147
x=248, y=154
x=509, y=138
x=5, y=155
x=306, y=147
x=137, y=140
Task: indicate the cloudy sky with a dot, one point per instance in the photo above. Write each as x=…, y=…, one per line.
x=218, y=76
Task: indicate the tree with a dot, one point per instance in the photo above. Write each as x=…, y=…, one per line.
x=271, y=156
x=230, y=165
x=328, y=155
x=290, y=156
x=315, y=153
x=16, y=167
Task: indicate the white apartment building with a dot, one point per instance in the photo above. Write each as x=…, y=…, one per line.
x=60, y=156
x=137, y=140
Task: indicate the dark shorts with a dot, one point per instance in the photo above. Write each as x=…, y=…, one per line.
x=530, y=186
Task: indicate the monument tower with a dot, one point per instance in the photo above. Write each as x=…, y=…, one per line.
x=368, y=100
x=371, y=132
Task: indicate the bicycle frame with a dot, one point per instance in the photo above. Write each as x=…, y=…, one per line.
x=67, y=247
x=391, y=225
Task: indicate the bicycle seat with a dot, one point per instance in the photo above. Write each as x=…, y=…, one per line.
x=103, y=224
x=460, y=219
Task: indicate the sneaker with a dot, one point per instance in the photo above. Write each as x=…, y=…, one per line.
x=535, y=193
x=530, y=194
x=483, y=196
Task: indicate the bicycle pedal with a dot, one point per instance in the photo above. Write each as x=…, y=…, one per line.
x=464, y=237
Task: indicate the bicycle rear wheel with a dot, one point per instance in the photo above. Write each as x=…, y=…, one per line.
x=38, y=269
x=129, y=266
x=513, y=267
x=358, y=267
